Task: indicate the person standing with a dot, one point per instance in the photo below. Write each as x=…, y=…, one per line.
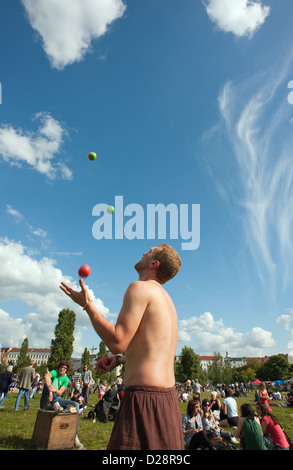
x=35, y=385
x=197, y=388
x=76, y=379
x=146, y=331
x=264, y=396
x=26, y=379
x=6, y=379
x=86, y=379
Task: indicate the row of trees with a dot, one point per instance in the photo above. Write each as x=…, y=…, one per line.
x=61, y=344
x=61, y=349
x=188, y=366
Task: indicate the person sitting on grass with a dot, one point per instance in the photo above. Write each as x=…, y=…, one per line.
x=211, y=426
x=270, y=424
x=249, y=430
x=215, y=405
x=230, y=410
x=194, y=436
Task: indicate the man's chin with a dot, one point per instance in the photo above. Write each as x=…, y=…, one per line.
x=139, y=266
x=136, y=267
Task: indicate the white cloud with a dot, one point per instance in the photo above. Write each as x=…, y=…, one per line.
x=36, y=149
x=203, y=322
x=240, y=17
x=13, y=330
x=68, y=27
x=286, y=319
x=35, y=283
x=210, y=335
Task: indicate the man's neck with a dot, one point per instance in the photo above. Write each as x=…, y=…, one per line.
x=147, y=277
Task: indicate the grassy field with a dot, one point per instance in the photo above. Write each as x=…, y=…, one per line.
x=16, y=429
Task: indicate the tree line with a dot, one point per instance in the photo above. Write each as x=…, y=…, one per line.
x=61, y=349
x=187, y=364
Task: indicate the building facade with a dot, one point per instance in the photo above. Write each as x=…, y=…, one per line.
x=10, y=356
x=206, y=361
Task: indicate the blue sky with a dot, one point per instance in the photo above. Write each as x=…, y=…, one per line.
x=184, y=103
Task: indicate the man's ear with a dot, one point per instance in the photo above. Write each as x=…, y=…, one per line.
x=154, y=264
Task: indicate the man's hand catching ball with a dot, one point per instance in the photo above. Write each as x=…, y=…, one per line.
x=81, y=298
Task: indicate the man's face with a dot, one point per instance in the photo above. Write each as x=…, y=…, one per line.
x=62, y=370
x=146, y=260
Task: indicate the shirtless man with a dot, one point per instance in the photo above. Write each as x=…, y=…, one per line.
x=146, y=330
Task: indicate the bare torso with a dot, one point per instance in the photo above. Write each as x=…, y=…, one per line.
x=151, y=353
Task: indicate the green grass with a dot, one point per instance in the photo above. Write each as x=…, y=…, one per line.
x=16, y=429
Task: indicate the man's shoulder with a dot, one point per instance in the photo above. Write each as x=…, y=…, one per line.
x=136, y=288
x=140, y=286
x=142, y=291
x=137, y=284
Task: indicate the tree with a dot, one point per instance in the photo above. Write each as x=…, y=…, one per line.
x=102, y=350
x=23, y=358
x=108, y=376
x=253, y=363
x=86, y=361
x=275, y=368
x=62, y=344
x=86, y=358
x=251, y=375
x=215, y=369
x=188, y=366
x=227, y=375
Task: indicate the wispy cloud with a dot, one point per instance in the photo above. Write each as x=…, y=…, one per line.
x=67, y=27
x=240, y=17
x=36, y=149
x=18, y=217
x=14, y=213
x=69, y=253
x=259, y=171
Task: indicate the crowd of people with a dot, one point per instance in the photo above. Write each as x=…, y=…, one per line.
x=144, y=339
x=206, y=421
x=81, y=384
x=58, y=392
x=204, y=424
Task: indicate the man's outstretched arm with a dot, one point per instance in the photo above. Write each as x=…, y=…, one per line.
x=116, y=337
